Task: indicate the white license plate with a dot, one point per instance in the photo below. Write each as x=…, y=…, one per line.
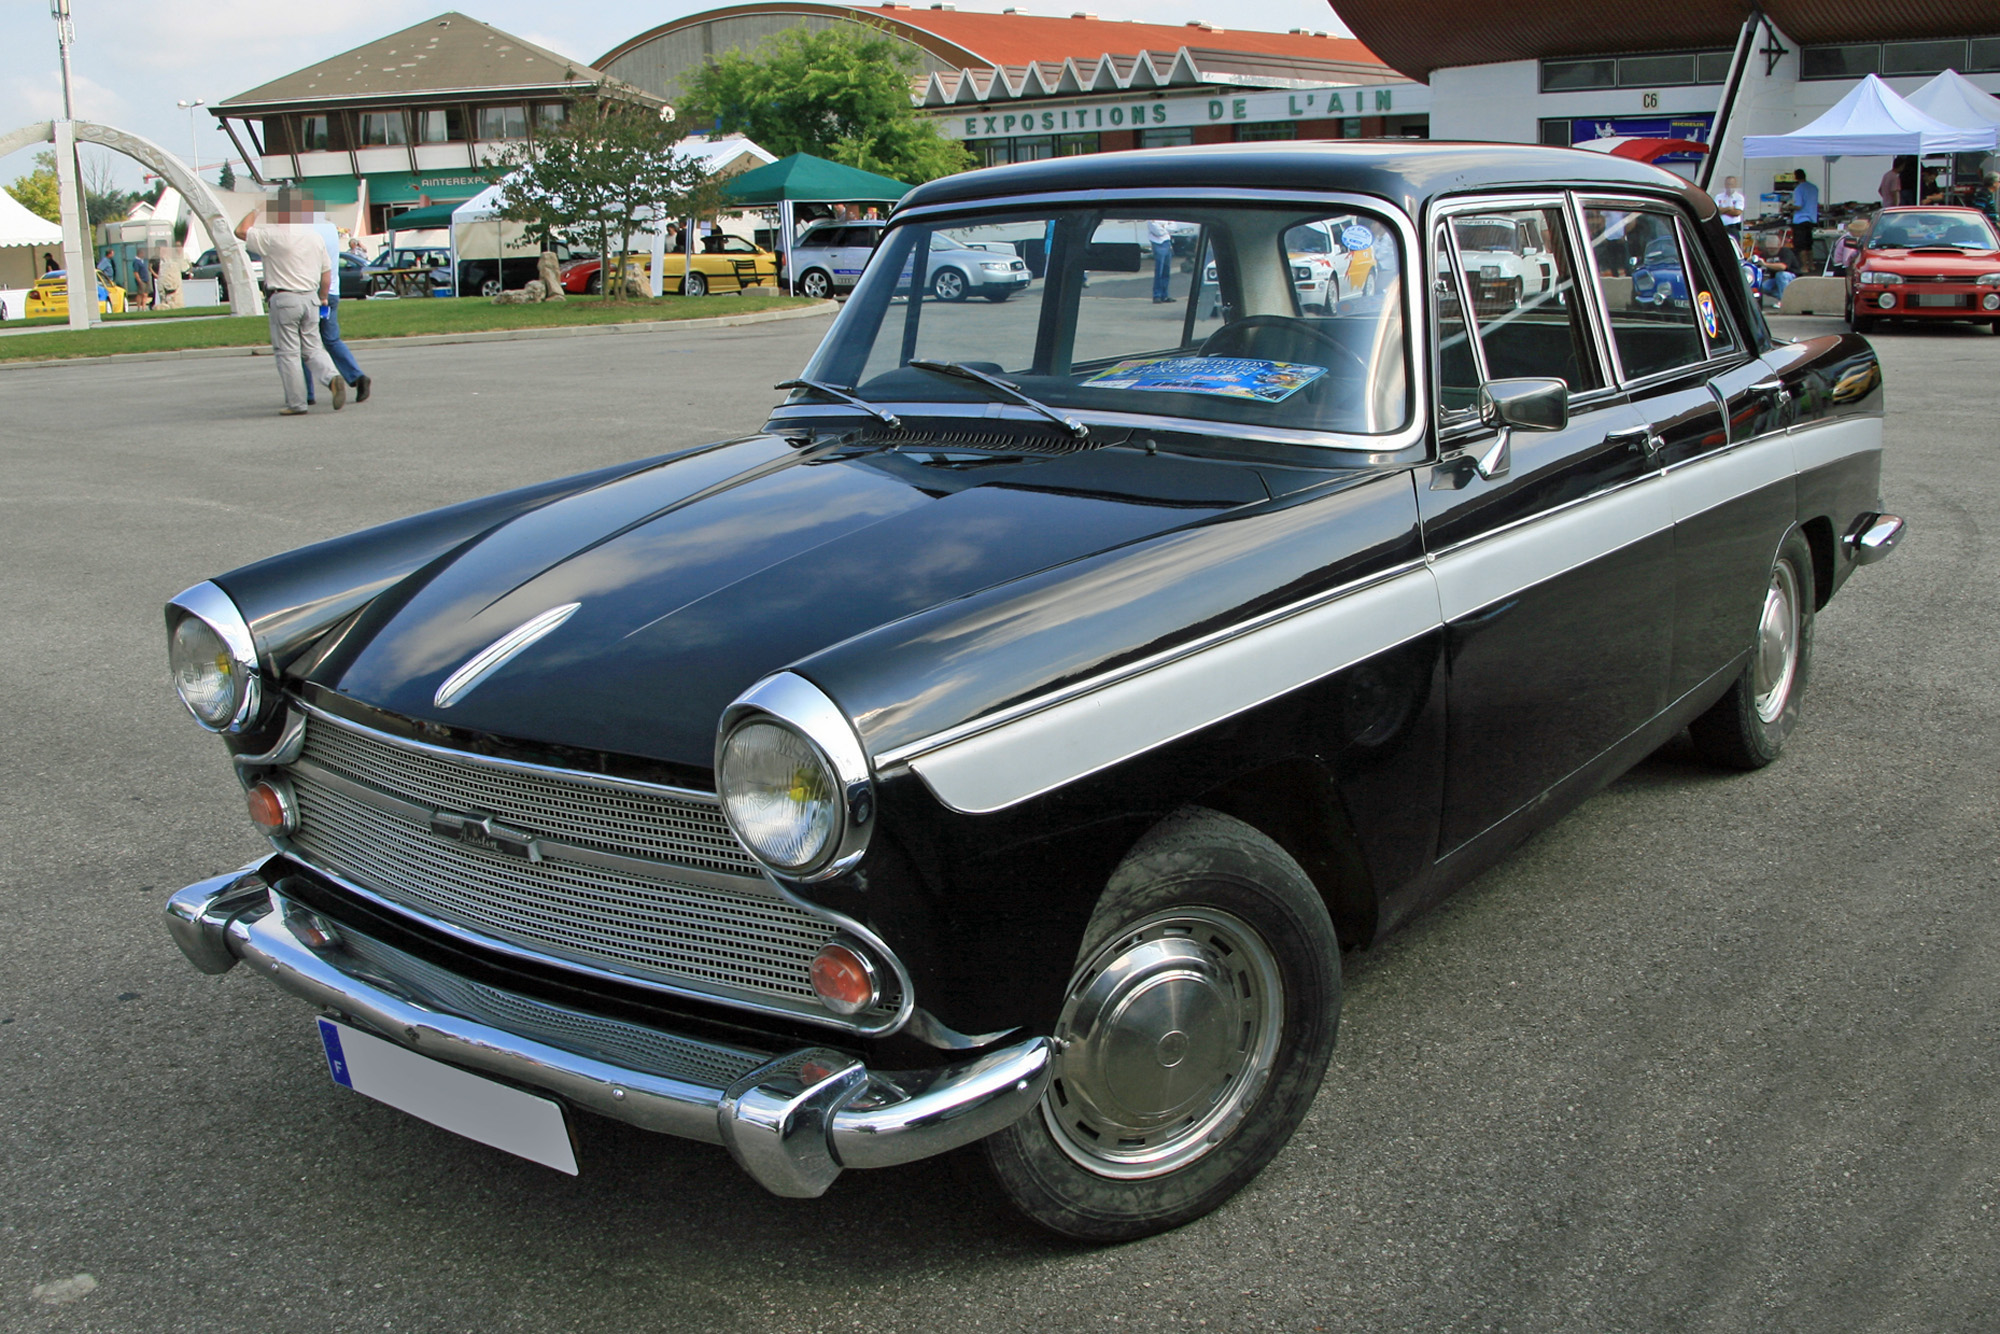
x=448, y=1097
x=1952, y=300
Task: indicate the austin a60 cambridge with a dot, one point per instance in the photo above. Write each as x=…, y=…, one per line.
x=1003, y=743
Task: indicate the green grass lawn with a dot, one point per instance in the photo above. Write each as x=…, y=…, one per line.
x=377, y=319
x=62, y=321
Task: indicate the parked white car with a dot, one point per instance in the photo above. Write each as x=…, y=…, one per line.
x=1504, y=262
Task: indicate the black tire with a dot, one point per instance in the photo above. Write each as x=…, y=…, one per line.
x=1747, y=727
x=489, y=287
x=999, y=295
x=816, y=283
x=1995, y=326
x=949, y=285
x=695, y=284
x=1205, y=918
x=594, y=285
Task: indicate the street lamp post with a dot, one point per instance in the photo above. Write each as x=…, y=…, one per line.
x=80, y=281
x=194, y=142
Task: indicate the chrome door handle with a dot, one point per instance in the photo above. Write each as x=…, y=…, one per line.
x=1773, y=389
x=1641, y=439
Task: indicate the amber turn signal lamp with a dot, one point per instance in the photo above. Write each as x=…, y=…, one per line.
x=271, y=807
x=844, y=978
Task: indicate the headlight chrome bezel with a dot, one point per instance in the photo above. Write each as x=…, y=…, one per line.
x=789, y=701
x=1880, y=278
x=207, y=603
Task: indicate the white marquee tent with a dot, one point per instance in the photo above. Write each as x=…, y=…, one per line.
x=23, y=238
x=1956, y=100
x=1871, y=121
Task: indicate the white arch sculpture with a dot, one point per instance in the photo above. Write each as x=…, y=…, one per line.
x=243, y=295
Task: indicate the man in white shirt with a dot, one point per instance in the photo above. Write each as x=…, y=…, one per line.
x=298, y=275
x=1729, y=203
x=1160, y=236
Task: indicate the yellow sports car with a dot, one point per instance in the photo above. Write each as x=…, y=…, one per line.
x=50, y=296
x=723, y=264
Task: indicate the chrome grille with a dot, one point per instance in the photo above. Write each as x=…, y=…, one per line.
x=618, y=819
x=692, y=931
x=629, y=1045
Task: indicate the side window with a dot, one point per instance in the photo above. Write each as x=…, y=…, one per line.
x=1457, y=369
x=1522, y=279
x=1640, y=269
x=1711, y=311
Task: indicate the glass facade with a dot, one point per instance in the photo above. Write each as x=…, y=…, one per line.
x=502, y=123
x=1851, y=60
x=1269, y=130
x=1030, y=148
x=1657, y=69
x=1167, y=138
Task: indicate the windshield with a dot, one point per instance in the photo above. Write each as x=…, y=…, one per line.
x=1070, y=306
x=1908, y=231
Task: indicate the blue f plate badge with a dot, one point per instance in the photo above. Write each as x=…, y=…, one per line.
x=452, y=1099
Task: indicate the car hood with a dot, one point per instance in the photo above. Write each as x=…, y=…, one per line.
x=1970, y=262
x=695, y=578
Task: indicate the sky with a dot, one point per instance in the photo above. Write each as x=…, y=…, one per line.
x=134, y=59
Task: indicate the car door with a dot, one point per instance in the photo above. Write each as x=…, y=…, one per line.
x=851, y=252
x=1552, y=550
x=1716, y=418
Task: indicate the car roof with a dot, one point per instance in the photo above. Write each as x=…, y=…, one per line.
x=1408, y=171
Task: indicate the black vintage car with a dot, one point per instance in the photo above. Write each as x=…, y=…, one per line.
x=1005, y=742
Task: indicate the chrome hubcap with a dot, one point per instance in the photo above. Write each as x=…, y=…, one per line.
x=1777, y=644
x=1167, y=1036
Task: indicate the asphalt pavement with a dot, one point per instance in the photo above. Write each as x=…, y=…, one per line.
x=1714, y=1052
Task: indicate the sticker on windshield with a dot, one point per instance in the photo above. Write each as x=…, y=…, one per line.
x=1226, y=377
x=1357, y=237
x=1710, y=325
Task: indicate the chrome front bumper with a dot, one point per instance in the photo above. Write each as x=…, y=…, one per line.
x=792, y=1121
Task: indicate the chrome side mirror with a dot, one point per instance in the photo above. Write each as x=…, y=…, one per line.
x=1528, y=404
x=1524, y=404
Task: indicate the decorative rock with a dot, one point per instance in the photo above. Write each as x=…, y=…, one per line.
x=550, y=273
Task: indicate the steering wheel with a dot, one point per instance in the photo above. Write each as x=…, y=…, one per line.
x=1217, y=343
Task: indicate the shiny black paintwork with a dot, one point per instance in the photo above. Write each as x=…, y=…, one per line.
x=927, y=587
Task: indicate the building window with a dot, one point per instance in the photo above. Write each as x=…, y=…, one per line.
x=1168, y=138
x=382, y=128
x=503, y=123
x=1839, y=62
x=1921, y=57
x=1031, y=148
x=313, y=134
x=1662, y=69
x=440, y=125
x=1899, y=58
x=1276, y=129
x=548, y=114
x=1984, y=54
x=1555, y=133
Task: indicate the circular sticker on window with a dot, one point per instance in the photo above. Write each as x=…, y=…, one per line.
x=1705, y=305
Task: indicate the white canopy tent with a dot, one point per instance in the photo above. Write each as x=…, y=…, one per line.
x=24, y=238
x=1956, y=100
x=1871, y=121
x=721, y=157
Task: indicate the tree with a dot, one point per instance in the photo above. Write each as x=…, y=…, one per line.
x=103, y=200
x=588, y=178
x=841, y=93
x=37, y=191
x=226, y=178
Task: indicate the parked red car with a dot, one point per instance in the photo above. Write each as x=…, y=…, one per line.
x=1926, y=263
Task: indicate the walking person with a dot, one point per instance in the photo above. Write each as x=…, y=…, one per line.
x=329, y=320
x=1805, y=214
x=298, y=273
x=1729, y=205
x=1160, y=236
x=142, y=282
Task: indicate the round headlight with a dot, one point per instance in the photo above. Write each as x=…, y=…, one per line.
x=780, y=796
x=213, y=659
x=209, y=680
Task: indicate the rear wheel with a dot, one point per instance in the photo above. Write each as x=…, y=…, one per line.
x=816, y=283
x=489, y=287
x=695, y=285
x=1194, y=1034
x=594, y=285
x=1746, y=728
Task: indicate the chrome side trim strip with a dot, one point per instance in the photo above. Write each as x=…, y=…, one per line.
x=1482, y=572
x=900, y=755
x=508, y=766
x=499, y=653
x=1064, y=742
x=553, y=849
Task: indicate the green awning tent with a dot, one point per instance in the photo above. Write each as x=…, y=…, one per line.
x=431, y=215
x=803, y=178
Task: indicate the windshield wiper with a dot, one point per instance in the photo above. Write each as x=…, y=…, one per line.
x=889, y=419
x=1013, y=391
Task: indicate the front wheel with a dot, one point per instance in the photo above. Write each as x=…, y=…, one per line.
x=489, y=287
x=816, y=283
x=948, y=285
x=1192, y=1038
x=1747, y=727
x=695, y=285
x=997, y=295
